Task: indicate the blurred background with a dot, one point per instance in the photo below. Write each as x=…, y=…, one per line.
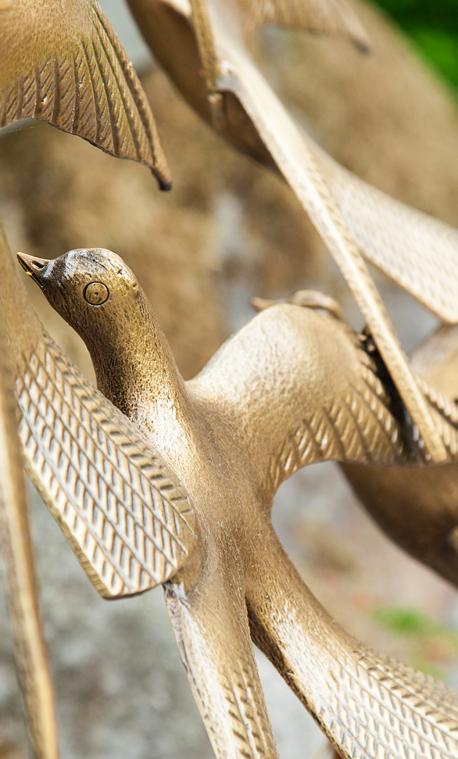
x=228, y=231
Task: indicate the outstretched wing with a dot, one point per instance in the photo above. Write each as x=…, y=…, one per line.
x=369, y=706
x=300, y=387
x=63, y=64
x=123, y=511
x=22, y=593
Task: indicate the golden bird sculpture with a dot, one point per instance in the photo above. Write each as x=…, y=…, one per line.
x=63, y=64
x=215, y=73
x=159, y=481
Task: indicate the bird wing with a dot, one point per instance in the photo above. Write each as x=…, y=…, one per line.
x=123, y=511
x=417, y=251
x=298, y=159
x=64, y=64
x=22, y=592
x=301, y=387
x=211, y=627
x=368, y=705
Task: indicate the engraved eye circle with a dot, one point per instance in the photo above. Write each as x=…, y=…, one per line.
x=96, y=293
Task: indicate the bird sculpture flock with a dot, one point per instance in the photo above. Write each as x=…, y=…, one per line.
x=159, y=481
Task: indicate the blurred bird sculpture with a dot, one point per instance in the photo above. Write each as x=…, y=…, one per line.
x=156, y=480
x=17, y=555
x=216, y=74
x=63, y=64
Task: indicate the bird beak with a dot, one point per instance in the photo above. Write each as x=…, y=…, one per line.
x=34, y=267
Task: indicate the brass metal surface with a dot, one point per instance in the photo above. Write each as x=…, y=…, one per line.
x=352, y=218
x=161, y=480
x=17, y=556
x=62, y=63
x=418, y=508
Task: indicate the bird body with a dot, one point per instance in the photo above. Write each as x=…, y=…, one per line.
x=293, y=387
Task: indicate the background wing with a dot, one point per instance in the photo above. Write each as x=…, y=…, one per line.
x=22, y=592
x=63, y=64
x=415, y=250
x=124, y=513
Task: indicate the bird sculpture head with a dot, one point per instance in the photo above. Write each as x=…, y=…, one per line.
x=90, y=288
x=99, y=296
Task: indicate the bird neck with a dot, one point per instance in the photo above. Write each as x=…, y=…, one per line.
x=135, y=367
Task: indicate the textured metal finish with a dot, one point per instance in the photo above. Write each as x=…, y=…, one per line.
x=294, y=386
x=63, y=64
x=17, y=555
x=418, y=508
x=352, y=218
x=123, y=511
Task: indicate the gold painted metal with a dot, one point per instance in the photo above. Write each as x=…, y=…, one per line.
x=17, y=555
x=353, y=219
x=62, y=63
x=164, y=481
x=418, y=508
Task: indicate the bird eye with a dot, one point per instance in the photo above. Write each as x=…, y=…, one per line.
x=96, y=293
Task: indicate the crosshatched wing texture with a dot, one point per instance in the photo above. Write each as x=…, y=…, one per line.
x=64, y=65
x=22, y=593
x=415, y=250
x=399, y=710
x=277, y=377
x=125, y=514
x=369, y=706
x=212, y=633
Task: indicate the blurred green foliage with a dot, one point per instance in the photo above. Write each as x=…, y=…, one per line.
x=433, y=646
x=432, y=26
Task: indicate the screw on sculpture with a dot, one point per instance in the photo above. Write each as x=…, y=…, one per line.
x=182, y=491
